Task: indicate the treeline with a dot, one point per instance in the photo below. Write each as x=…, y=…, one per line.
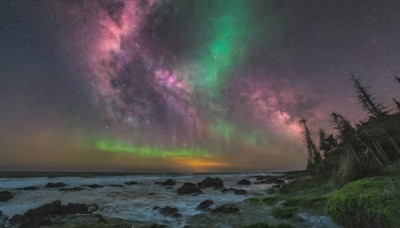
x=358, y=150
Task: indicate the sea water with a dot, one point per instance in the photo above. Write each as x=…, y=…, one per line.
x=136, y=202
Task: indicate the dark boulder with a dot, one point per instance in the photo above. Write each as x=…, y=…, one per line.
x=117, y=185
x=31, y=224
x=16, y=219
x=168, y=211
x=211, y=182
x=101, y=220
x=131, y=183
x=168, y=182
x=74, y=189
x=226, y=209
x=263, y=177
x=189, y=188
x=224, y=190
x=239, y=191
x=49, y=209
x=271, y=181
x=206, y=204
x=42, y=213
x=244, y=182
x=5, y=196
x=92, y=208
x=55, y=185
x=95, y=186
x=74, y=208
x=235, y=191
x=31, y=188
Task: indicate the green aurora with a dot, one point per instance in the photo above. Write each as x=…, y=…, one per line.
x=116, y=146
x=221, y=51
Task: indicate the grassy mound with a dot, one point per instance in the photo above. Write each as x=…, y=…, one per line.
x=370, y=202
x=301, y=195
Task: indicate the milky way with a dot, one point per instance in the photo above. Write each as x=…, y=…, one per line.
x=176, y=103
x=201, y=85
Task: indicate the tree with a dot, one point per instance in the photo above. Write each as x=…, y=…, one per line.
x=397, y=78
x=314, y=157
x=327, y=144
x=375, y=110
x=397, y=104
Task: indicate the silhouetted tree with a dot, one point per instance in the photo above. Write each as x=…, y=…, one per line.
x=314, y=157
x=397, y=104
x=374, y=109
x=397, y=78
x=326, y=143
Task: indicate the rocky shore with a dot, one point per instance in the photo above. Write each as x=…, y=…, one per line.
x=234, y=201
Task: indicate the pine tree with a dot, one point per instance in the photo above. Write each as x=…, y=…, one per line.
x=397, y=104
x=326, y=143
x=375, y=110
x=397, y=78
x=314, y=157
x=344, y=127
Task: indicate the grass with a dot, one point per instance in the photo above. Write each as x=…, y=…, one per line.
x=369, y=202
x=301, y=195
x=284, y=212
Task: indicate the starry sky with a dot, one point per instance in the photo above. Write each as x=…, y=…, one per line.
x=184, y=85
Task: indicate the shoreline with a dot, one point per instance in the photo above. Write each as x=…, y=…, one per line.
x=119, y=201
x=29, y=174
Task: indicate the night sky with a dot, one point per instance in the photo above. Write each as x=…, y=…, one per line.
x=184, y=85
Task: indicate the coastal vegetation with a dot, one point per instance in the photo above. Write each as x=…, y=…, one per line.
x=353, y=175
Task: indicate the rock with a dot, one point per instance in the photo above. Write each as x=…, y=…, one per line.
x=262, y=177
x=244, y=182
x=235, y=191
x=74, y=208
x=205, y=205
x=101, y=220
x=211, y=182
x=40, y=214
x=55, y=185
x=226, y=209
x=31, y=188
x=5, y=196
x=277, y=186
x=74, y=189
x=116, y=185
x=95, y=186
x=271, y=181
x=131, y=183
x=168, y=211
x=168, y=182
x=49, y=209
x=16, y=219
x=189, y=188
x=93, y=208
x=239, y=191
x=30, y=224
x=3, y=219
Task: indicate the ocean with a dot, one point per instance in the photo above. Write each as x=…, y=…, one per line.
x=116, y=199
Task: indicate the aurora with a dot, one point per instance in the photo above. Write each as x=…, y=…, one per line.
x=182, y=85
